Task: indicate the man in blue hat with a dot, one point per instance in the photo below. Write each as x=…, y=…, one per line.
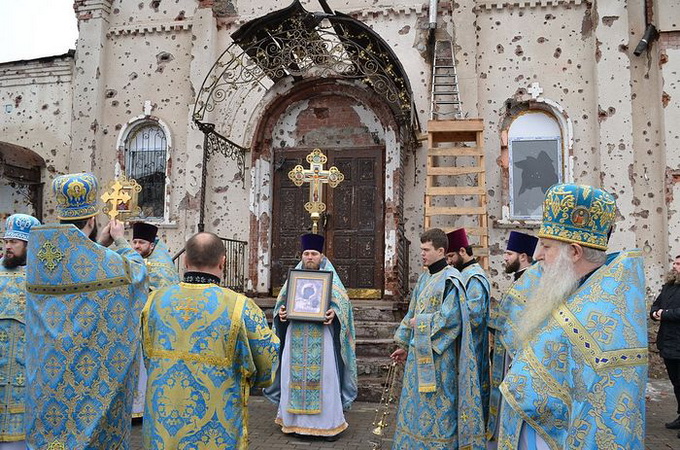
x=13, y=328
x=519, y=253
x=317, y=377
x=518, y=257
x=576, y=328
x=83, y=304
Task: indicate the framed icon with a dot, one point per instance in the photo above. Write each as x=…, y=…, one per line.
x=309, y=294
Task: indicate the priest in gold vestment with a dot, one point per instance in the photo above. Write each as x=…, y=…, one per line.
x=204, y=347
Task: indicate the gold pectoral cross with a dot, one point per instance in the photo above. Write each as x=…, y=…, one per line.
x=316, y=176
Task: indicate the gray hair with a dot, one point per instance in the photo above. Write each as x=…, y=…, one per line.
x=594, y=255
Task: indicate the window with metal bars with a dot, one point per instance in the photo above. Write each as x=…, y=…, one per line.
x=146, y=153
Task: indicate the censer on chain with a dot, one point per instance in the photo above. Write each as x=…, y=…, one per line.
x=386, y=399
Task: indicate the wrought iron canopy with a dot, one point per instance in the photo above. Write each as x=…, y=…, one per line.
x=295, y=43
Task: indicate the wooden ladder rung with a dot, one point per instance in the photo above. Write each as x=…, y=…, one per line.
x=448, y=126
x=454, y=170
x=455, y=190
x=454, y=210
x=455, y=151
x=472, y=231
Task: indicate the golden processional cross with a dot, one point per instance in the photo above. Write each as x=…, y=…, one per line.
x=316, y=176
x=120, y=198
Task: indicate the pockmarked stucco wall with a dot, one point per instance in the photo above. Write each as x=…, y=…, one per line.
x=574, y=59
x=36, y=113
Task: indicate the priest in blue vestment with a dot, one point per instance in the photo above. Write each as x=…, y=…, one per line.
x=13, y=330
x=205, y=346
x=162, y=272
x=83, y=305
x=317, y=377
x=576, y=328
x=518, y=257
x=159, y=265
x=477, y=292
x=440, y=405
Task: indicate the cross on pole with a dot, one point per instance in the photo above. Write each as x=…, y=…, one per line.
x=316, y=176
x=120, y=198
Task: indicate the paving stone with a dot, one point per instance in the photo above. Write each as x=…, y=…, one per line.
x=266, y=435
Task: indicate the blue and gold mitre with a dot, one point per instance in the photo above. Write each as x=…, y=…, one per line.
x=19, y=225
x=579, y=214
x=76, y=195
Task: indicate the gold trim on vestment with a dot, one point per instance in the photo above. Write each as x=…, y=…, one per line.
x=554, y=387
x=593, y=355
x=425, y=438
x=77, y=288
x=236, y=316
x=311, y=431
x=507, y=396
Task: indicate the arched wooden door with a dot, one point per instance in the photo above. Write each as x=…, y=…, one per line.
x=353, y=224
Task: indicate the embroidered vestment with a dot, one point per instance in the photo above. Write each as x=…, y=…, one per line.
x=83, y=304
x=12, y=348
x=580, y=381
x=204, y=348
x=308, y=347
x=440, y=405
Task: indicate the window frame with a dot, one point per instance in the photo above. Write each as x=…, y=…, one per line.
x=560, y=171
x=130, y=130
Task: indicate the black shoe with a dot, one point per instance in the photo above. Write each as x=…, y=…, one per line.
x=331, y=438
x=675, y=425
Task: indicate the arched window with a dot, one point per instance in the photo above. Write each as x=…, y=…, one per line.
x=536, y=162
x=146, y=155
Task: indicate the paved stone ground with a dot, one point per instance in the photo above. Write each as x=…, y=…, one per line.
x=265, y=434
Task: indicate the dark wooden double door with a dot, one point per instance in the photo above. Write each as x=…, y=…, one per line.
x=353, y=223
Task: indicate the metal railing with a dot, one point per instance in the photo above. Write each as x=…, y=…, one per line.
x=233, y=276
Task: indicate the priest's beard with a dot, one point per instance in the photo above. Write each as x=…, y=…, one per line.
x=558, y=281
x=13, y=261
x=311, y=265
x=512, y=267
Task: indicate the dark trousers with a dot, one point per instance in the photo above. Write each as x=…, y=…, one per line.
x=673, y=369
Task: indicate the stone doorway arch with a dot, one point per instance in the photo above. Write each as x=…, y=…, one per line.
x=20, y=181
x=358, y=132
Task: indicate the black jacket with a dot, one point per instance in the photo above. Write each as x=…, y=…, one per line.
x=668, y=339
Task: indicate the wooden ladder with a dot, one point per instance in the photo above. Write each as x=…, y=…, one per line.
x=455, y=194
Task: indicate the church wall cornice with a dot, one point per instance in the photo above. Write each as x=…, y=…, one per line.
x=29, y=73
x=92, y=9
x=150, y=28
x=360, y=14
x=500, y=4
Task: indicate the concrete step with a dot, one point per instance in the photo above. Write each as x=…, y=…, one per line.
x=376, y=311
x=381, y=348
x=374, y=330
x=371, y=390
x=373, y=366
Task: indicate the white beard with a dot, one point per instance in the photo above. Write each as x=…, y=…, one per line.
x=557, y=283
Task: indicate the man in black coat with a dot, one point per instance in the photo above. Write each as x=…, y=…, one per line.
x=666, y=309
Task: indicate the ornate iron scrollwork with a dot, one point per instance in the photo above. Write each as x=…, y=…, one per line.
x=215, y=143
x=298, y=44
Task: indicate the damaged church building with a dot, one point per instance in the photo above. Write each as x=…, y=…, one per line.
x=436, y=113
